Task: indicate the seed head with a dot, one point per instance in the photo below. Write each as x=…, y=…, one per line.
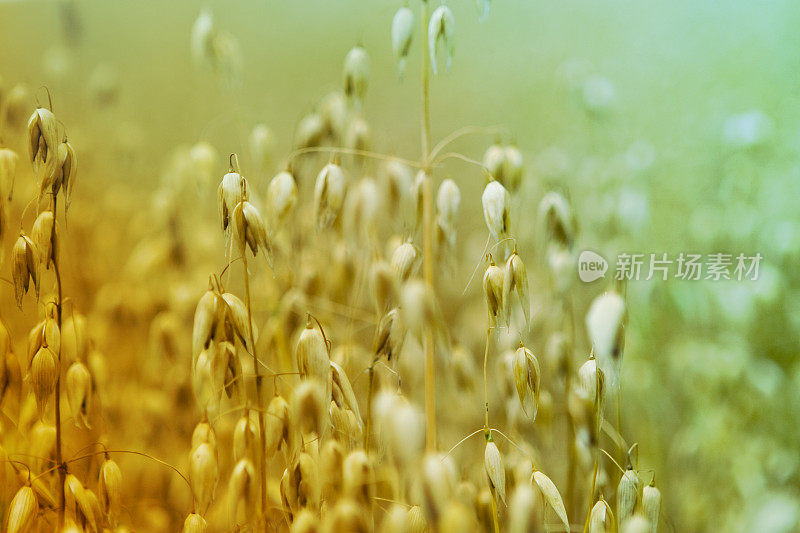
x=605, y=323
x=358, y=134
x=242, y=489
x=552, y=496
x=555, y=221
x=493, y=160
x=309, y=409
x=512, y=167
x=516, y=277
x=206, y=317
x=42, y=237
x=204, y=434
x=390, y=335
x=244, y=438
x=276, y=425
x=493, y=291
x=626, y=494
x=405, y=260
x=8, y=172
x=356, y=73
x=204, y=474
x=312, y=355
x=651, y=504
x=262, y=146
x=238, y=318
x=402, y=32
x=589, y=377
x=202, y=37
x=281, y=196
x=79, y=390
x=43, y=139
x=311, y=131
x=22, y=511
x=250, y=228
x=448, y=199
x=81, y=500
x=335, y=112
x=195, y=523
x=495, y=209
x=24, y=267
x=493, y=463
x=43, y=376
x=329, y=193
x=441, y=32
x=342, y=391
x=358, y=477
x=415, y=521
x=67, y=171
x=231, y=192
x=526, y=379
x=598, y=523
x=111, y=488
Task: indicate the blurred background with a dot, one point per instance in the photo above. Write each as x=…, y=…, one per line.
x=671, y=127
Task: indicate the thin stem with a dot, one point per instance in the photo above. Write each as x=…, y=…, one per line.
x=494, y=512
x=461, y=441
x=485, y=382
x=456, y=155
x=62, y=472
x=256, y=370
x=353, y=151
x=426, y=92
x=461, y=132
x=370, y=392
x=427, y=242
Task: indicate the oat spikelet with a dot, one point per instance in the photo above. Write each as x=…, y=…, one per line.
x=495, y=200
x=242, y=489
x=598, y=521
x=42, y=238
x=552, y=496
x=402, y=33
x=281, y=196
x=21, y=511
x=651, y=504
x=405, y=260
x=605, y=323
x=441, y=32
x=205, y=319
x=277, y=424
x=493, y=463
x=24, y=258
x=43, y=374
x=110, y=486
x=626, y=495
x=195, y=523
x=79, y=390
x=516, y=278
x=329, y=191
x=204, y=474
x=356, y=73
x=527, y=376
x=493, y=280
